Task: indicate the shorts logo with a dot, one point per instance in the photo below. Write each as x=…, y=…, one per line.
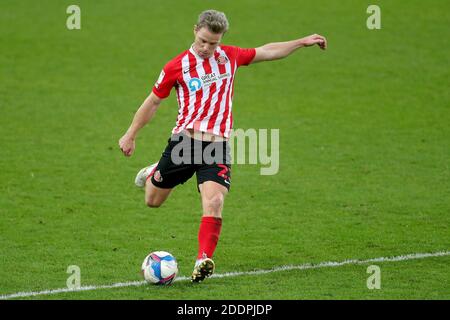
x=157, y=176
x=195, y=84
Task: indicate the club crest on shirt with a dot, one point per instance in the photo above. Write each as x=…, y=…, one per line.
x=222, y=60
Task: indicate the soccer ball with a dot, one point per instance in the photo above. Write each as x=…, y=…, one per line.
x=160, y=267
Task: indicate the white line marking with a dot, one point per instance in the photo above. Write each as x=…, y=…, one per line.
x=328, y=264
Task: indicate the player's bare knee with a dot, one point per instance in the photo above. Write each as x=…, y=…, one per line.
x=153, y=205
x=152, y=202
x=215, y=202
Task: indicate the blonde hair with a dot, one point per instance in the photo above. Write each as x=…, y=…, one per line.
x=215, y=21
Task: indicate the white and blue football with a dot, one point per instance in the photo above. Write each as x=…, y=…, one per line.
x=160, y=268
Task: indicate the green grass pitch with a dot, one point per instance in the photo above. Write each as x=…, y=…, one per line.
x=364, y=150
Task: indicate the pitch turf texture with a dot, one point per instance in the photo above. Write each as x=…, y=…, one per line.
x=364, y=150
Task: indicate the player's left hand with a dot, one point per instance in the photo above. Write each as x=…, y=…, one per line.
x=311, y=40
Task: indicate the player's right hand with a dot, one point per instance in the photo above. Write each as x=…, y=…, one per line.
x=127, y=145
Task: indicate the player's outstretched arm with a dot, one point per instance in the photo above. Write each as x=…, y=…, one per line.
x=280, y=50
x=141, y=118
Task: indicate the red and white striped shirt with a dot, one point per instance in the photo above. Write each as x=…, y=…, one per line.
x=204, y=88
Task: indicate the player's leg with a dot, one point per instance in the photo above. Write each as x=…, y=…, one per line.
x=214, y=182
x=213, y=196
x=163, y=179
x=160, y=178
x=155, y=196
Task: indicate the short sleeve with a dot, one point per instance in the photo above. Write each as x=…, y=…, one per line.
x=245, y=56
x=165, y=82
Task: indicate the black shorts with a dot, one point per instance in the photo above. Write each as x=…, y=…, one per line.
x=184, y=156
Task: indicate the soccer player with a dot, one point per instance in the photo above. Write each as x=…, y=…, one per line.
x=203, y=77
